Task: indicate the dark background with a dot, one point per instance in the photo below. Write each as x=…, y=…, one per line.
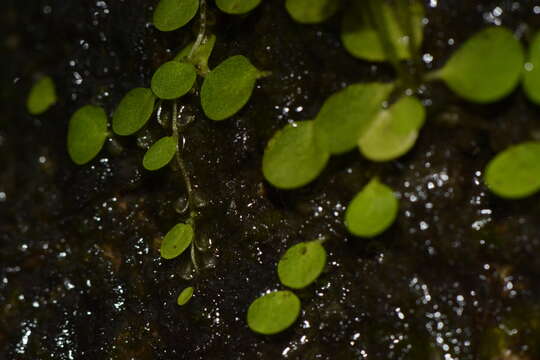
x=456, y=277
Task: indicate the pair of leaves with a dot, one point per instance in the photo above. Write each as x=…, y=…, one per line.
x=311, y=11
x=372, y=210
x=352, y=117
x=42, y=96
x=299, y=266
x=362, y=38
x=487, y=67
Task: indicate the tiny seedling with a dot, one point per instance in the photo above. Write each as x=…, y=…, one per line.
x=515, y=172
x=42, y=96
x=372, y=210
x=87, y=132
x=302, y=264
x=292, y=157
x=273, y=312
x=177, y=240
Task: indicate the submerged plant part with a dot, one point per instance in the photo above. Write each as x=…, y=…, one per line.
x=160, y=153
x=531, y=75
x=515, y=172
x=273, y=312
x=237, y=7
x=87, y=133
x=42, y=96
x=372, y=210
x=311, y=11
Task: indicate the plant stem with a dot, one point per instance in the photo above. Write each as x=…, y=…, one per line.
x=202, y=29
x=178, y=156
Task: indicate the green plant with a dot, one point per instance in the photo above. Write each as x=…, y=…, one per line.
x=273, y=312
x=42, y=96
x=302, y=264
x=184, y=296
x=86, y=133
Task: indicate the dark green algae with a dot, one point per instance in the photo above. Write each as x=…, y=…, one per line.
x=456, y=277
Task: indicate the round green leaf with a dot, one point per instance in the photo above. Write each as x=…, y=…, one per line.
x=87, y=132
x=41, y=97
x=361, y=39
x=200, y=56
x=486, y=67
x=228, y=87
x=302, y=264
x=372, y=210
x=347, y=114
x=515, y=172
x=173, y=14
x=185, y=296
x=531, y=76
x=292, y=158
x=273, y=313
x=394, y=131
x=176, y=241
x=237, y=7
x=160, y=153
x=173, y=79
x=311, y=11
x=133, y=111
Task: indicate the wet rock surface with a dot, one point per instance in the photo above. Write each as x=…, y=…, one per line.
x=456, y=277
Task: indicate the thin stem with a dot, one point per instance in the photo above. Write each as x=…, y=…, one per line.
x=202, y=29
x=179, y=159
x=193, y=256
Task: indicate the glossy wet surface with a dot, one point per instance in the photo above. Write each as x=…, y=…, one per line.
x=456, y=277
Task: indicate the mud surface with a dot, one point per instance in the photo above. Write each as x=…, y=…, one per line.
x=456, y=277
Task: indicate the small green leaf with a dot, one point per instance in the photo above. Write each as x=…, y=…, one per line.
x=228, y=87
x=237, y=7
x=311, y=11
x=347, y=114
x=302, y=264
x=515, y=172
x=531, y=76
x=394, y=131
x=372, y=210
x=273, y=312
x=200, y=55
x=173, y=14
x=361, y=39
x=176, y=241
x=42, y=96
x=185, y=296
x=486, y=67
x=160, y=153
x=87, y=132
x=292, y=158
x=173, y=79
x=133, y=111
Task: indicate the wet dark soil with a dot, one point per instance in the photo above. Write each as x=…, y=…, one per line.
x=456, y=277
